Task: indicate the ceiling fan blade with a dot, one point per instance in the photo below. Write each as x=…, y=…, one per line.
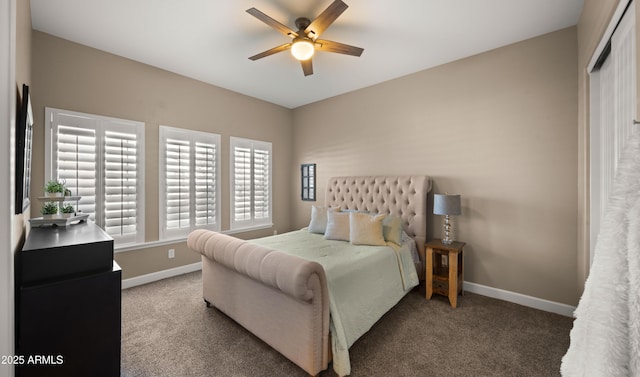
x=326, y=18
x=271, y=51
x=307, y=67
x=273, y=23
x=340, y=48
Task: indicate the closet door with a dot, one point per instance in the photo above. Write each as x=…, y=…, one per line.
x=613, y=110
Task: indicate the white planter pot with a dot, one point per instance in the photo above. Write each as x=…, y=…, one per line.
x=54, y=194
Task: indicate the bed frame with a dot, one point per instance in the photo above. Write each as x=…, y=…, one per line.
x=283, y=299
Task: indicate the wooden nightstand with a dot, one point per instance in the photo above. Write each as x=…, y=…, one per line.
x=445, y=269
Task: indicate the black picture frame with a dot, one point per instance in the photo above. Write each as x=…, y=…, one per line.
x=24, y=150
x=308, y=182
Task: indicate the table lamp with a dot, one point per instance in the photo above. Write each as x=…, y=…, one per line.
x=447, y=205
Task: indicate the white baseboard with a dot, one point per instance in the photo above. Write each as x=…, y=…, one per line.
x=500, y=294
x=518, y=298
x=155, y=276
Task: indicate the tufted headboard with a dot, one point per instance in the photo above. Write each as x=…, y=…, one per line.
x=403, y=196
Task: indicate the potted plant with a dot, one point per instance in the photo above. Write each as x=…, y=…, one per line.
x=54, y=188
x=68, y=211
x=49, y=210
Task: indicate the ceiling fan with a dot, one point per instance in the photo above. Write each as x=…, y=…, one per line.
x=305, y=41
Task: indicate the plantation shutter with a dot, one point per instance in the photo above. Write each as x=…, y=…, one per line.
x=261, y=183
x=251, y=183
x=177, y=183
x=205, y=183
x=189, y=181
x=120, y=182
x=241, y=184
x=100, y=159
x=76, y=165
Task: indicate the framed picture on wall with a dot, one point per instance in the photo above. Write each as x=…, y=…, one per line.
x=24, y=148
x=308, y=183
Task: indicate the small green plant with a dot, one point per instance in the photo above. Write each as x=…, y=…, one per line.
x=68, y=209
x=49, y=208
x=67, y=192
x=54, y=186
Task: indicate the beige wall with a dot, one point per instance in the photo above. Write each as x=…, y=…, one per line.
x=70, y=76
x=499, y=128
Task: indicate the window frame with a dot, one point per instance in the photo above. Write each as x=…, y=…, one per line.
x=192, y=137
x=101, y=125
x=251, y=223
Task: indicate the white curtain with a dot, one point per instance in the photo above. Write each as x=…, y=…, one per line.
x=613, y=107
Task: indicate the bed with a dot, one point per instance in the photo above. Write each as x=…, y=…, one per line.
x=310, y=295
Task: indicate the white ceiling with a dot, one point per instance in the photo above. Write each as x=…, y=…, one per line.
x=211, y=40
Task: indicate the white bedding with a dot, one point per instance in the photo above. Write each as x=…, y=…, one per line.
x=364, y=282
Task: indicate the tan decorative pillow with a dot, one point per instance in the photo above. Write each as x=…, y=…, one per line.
x=392, y=229
x=365, y=229
x=337, y=226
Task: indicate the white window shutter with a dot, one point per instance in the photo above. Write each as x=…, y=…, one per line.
x=262, y=184
x=177, y=167
x=206, y=164
x=189, y=181
x=77, y=165
x=250, y=183
x=121, y=185
x=241, y=184
x=100, y=159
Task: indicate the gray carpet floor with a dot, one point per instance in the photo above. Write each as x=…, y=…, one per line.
x=168, y=331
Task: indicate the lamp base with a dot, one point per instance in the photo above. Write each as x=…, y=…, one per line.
x=447, y=231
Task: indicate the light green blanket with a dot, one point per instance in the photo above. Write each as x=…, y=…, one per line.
x=364, y=283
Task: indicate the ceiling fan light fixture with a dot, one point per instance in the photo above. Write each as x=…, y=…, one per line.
x=305, y=41
x=302, y=48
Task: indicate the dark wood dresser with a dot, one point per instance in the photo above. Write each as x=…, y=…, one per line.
x=68, y=308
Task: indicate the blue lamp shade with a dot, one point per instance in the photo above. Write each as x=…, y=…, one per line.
x=444, y=204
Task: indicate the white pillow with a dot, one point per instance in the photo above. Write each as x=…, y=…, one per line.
x=365, y=229
x=318, y=223
x=337, y=226
x=392, y=229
